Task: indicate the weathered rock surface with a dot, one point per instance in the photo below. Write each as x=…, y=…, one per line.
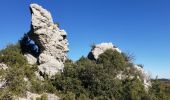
x=3, y=66
x=2, y=80
x=144, y=75
x=2, y=83
x=101, y=48
x=31, y=59
x=51, y=40
x=34, y=96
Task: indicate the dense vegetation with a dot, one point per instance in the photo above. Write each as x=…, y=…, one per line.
x=81, y=80
x=20, y=76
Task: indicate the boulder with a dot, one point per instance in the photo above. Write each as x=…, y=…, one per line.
x=101, y=48
x=30, y=58
x=2, y=83
x=3, y=66
x=51, y=40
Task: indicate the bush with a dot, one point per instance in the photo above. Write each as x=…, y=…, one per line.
x=12, y=55
x=69, y=96
x=133, y=89
x=96, y=79
x=44, y=97
x=15, y=73
x=112, y=59
x=18, y=70
x=158, y=91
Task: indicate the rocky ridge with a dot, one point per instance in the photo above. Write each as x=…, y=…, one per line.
x=53, y=45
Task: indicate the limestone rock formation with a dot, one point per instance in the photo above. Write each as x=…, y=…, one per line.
x=144, y=75
x=30, y=58
x=101, y=48
x=51, y=40
x=2, y=83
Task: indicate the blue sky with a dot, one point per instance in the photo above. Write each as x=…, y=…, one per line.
x=141, y=27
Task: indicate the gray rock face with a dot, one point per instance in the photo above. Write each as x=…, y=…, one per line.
x=31, y=59
x=101, y=48
x=3, y=66
x=51, y=40
x=2, y=83
x=144, y=75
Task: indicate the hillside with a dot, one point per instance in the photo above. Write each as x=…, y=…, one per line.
x=37, y=68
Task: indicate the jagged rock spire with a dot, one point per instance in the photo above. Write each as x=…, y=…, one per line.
x=52, y=41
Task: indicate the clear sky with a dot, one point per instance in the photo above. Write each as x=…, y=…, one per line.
x=141, y=27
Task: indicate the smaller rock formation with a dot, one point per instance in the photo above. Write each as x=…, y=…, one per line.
x=101, y=48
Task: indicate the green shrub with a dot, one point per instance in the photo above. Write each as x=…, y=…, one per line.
x=12, y=55
x=38, y=98
x=44, y=97
x=87, y=77
x=69, y=96
x=112, y=59
x=133, y=89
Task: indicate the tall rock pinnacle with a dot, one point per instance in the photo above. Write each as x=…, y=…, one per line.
x=51, y=40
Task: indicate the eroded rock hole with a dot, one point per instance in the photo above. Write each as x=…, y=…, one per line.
x=64, y=37
x=29, y=46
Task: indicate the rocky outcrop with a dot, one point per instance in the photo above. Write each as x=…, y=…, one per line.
x=51, y=40
x=143, y=75
x=101, y=48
